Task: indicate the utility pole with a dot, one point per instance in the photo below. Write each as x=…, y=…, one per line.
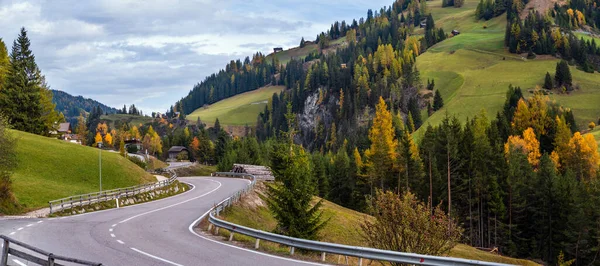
x=100, y=163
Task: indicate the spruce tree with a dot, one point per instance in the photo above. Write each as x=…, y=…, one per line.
x=24, y=99
x=438, y=102
x=548, y=84
x=290, y=197
x=563, y=74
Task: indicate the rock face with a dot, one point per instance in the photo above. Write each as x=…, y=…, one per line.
x=314, y=112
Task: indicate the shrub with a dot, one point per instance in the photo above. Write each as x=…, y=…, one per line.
x=401, y=222
x=137, y=161
x=591, y=125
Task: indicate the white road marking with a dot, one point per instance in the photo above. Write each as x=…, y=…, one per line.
x=155, y=257
x=166, y=207
x=120, y=242
x=191, y=229
x=20, y=228
x=29, y=225
x=40, y=222
x=114, y=225
x=20, y=263
x=112, y=235
x=110, y=230
x=12, y=233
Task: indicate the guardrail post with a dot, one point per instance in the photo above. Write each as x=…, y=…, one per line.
x=257, y=244
x=210, y=227
x=51, y=259
x=4, y=258
x=292, y=251
x=231, y=236
x=359, y=261
x=323, y=256
x=216, y=230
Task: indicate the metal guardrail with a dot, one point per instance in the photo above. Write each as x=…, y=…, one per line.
x=48, y=259
x=106, y=195
x=325, y=247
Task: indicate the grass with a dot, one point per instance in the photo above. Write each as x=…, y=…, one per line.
x=297, y=52
x=343, y=228
x=50, y=169
x=596, y=134
x=239, y=110
x=134, y=120
x=473, y=71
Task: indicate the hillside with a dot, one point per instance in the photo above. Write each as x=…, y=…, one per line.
x=462, y=66
x=343, y=227
x=239, y=110
x=50, y=169
x=133, y=120
x=71, y=106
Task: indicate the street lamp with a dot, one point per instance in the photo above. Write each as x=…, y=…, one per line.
x=100, y=163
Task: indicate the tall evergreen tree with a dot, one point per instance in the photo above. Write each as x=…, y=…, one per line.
x=548, y=84
x=25, y=100
x=438, y=101
x=563, y=74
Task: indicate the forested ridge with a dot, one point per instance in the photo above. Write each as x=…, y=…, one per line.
x=524, y=180
x=72, y=106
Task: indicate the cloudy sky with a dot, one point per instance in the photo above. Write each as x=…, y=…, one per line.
x=152, y=52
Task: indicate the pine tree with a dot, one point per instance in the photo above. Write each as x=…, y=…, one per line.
x=302, y=43
x=290, y=197
x=25, y=100
x=563, y=74
x=438, y=102
x=548, y=84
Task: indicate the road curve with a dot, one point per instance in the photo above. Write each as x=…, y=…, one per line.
x=154, y=233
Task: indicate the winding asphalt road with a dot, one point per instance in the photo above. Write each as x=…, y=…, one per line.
x=154, y=233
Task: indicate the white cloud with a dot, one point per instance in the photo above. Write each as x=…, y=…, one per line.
x=151, y=53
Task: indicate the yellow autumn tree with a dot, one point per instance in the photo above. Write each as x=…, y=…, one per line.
x=561, y=141
x=582, y=156
x=134, y=133
x=102, y=128
x=97, y=139
x=528, y=145
x=108, y=140
x=382, y=153
x=532, y=113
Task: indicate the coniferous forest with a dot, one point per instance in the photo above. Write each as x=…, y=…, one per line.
x=523, y=180
x=349, y=126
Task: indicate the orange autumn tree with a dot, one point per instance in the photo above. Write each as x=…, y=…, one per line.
x=382, y=153
x=528, y=145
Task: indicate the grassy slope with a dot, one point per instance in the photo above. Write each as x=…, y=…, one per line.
x=132, y=119
x=473, y=71
x=296, y=52
x=241, y=109
x=596, y=134
x=343, y=227
x=51, y=169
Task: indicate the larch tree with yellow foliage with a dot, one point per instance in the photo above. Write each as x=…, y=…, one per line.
x=528, y=145
x=582, y=157
x=381, y=156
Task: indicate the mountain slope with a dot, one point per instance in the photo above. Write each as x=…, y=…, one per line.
x=473, y=70
x=50, y=169
x=71, y=105
x=239, y=110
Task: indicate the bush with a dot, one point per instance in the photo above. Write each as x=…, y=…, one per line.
x=591, y=125
x=401, y=222
x=137, y=161
x=8, y=161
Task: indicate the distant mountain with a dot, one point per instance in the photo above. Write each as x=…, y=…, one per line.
x=71, y=106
